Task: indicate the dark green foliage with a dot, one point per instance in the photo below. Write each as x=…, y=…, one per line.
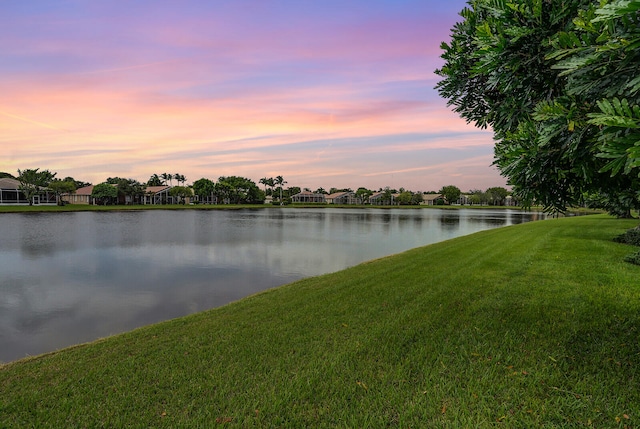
x=33, y=181
x=104, y=193
x=238, y=190
x=181, y=193
x=204, y=189
x=450, y=193
x=632, y=237
x=129, y=191
x=60, y=187
x=634, y=258
x=155, y=180
x=558, y=84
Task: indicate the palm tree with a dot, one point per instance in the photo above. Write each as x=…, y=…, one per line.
x=167, y=178
x=271, y=183
x=280, y=181
x=154, y=180
x=264, y=182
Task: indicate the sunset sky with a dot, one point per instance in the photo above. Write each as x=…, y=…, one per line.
x=324, y=93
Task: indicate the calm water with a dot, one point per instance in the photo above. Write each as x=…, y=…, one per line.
x=67, y=278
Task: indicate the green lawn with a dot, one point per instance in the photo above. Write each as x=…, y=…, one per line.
x=534, y=325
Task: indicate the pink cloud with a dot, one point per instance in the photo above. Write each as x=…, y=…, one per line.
x=335, y=97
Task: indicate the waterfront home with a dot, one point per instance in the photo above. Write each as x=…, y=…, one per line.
x=381, y=198
x=10, y=194
x=431, y=199
x=157, y=195
x=342, y=198
x=79, y=196
x=308, y=197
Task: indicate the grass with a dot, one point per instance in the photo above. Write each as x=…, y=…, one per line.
x=533, y=325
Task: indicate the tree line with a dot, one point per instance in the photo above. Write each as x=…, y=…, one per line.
x=231, y=190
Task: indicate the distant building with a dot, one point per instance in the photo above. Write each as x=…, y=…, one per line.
x=308, y=197
x=10, y=194
x=431, y=199
x=157, y=195
x=343, y=198
x=79, y=196
x=381, y=199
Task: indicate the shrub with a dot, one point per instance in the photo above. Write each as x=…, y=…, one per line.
x=634, y=258
x=631, y=236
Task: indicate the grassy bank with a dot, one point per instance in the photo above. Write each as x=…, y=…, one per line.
x=534, y=325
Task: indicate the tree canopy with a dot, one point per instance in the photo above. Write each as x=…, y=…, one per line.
x=557, y=82
x=239, y=190
x=104, y=193
x=450, y=193
x=33, y=180
x=60, y=187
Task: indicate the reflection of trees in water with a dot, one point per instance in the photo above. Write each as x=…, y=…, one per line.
x=449, y=221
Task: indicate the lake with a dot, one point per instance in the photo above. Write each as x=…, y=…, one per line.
x=68, y=278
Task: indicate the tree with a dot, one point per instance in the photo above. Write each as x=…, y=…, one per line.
x=280, y=181
x=167, y=177
x=264, y=181
x=291, y=191
x=33, y=181
x=104, y=193
x=239, y=190
x=497, y=195
x=78, y=183
x=418, y=198
x=531, y=71
x=204, y=188
x=271, y=183
x=363, y=194
x=129, y=190
x=405, y=198
x=154, y=180
x=59, y=187
x=387, y=196
x=181, y=193
x=600, y=59
x=450, y=193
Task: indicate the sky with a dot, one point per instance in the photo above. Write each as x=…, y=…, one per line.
x=324, y=93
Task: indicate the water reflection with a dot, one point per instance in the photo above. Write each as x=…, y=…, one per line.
x=67, y=278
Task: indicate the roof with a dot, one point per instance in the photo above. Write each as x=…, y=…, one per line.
x=156, y=189
x=9, y=183
x=431, y=197
x=338, y=195
x=87, y=190
x=308, y=193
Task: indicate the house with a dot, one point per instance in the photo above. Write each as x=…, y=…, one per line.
x=157, y=195
x=308, y=197
x=10, y=193
x=342, y=198
x=431, y=199
x=79, y=196
x=464, y=199
x=381, y=198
